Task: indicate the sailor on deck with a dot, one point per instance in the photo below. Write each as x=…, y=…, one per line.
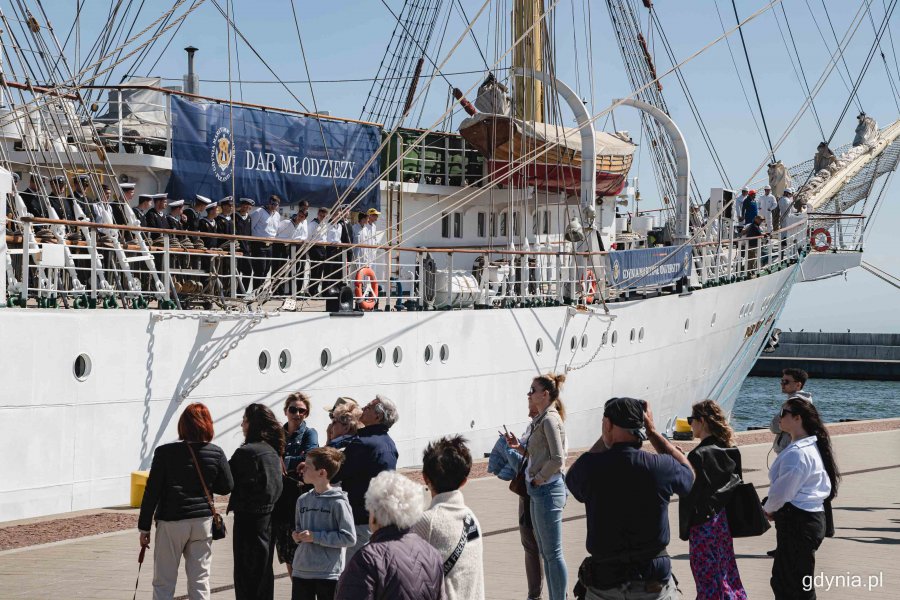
x=208, y=224
x=156, y=216
x=264, y=221
x=143, y=207
x=739, y=206
x=768, y=208
x=194, y=213
x=225, y=218
x=368, y=236
x=243, y=226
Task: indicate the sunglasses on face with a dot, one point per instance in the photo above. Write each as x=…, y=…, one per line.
x=785, y=412
x=693, y=418
x=786, y=381
x=296, y=410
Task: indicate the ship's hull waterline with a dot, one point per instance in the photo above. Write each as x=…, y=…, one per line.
x=69, y=444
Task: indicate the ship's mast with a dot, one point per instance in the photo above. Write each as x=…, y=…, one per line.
x=528, y=56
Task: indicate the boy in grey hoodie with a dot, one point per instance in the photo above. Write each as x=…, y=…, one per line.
x=323, y=528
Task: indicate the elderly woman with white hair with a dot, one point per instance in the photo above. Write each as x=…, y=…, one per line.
x=396, y=563
x=367, y=454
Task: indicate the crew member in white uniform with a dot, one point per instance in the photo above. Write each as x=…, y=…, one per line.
x=768, y=208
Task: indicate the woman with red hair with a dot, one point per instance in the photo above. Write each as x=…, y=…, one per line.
x=175, y=498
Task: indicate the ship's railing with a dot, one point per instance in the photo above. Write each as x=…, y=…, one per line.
x=834, y=232
x=84, y=264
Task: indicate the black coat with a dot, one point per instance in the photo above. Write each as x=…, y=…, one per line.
x=208, y=225
x=717, y=470
x=243, y=227
x=174, y=492
x=193, y=219
x=33, y=203
x=257, y=478
x=156, y=220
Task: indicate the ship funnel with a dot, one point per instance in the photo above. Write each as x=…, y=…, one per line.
x=191, y=80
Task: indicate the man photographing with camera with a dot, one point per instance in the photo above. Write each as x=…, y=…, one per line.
x=626, y=493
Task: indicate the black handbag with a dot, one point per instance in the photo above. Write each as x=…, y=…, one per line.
x=746, y=517
x=219, y=530
x=286, y=505
x=517, y=485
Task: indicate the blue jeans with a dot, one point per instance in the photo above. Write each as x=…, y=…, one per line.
x=547, y=503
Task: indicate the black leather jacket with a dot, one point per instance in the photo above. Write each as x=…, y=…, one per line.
x=174, y=491
x=718, y=471
x=257, y=478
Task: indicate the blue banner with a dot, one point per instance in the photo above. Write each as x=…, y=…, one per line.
x=294, y=156
x=630, y=269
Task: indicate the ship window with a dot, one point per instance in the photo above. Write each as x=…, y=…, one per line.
x=445, y=353
x=445, y=226
x=82, y=367
x=429, y=354
x=539, y=346
x=712, y=321
x=687, y=324
x=264, y=361
x=605, y=338
x=632, y=336
x=641, y=335
x=380, y=356
x=325, y=359
x=457, y=225
x=515, y=223
x=541, y=222
x=492, y=222
x=545, y=229
x=615, y=337
x=573, y=344
x=398, y=356
x=503, y=220
x=482, y=225
x=284, y=360
x=584, y=341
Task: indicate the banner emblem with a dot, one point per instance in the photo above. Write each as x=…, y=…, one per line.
x=222, y=154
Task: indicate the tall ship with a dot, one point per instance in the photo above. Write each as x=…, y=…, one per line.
x=140, y=275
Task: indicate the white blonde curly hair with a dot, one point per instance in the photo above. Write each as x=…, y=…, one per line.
x=393, y=499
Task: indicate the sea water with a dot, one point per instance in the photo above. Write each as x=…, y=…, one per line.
x=836, y=399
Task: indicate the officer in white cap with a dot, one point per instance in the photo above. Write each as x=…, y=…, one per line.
x=784, y=207
x=768, y=207
x=194, y=213
x=208, y=224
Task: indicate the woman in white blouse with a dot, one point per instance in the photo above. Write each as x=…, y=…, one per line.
x=804, y=477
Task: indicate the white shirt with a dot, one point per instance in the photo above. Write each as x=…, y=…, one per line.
x=285, y=230
x=798, y=476
x=301, y=231
x=767, y=206
x=263, y=224
x=333, y=233
x=739, y=207
x=784, y=207
x=792, y=218
x=355, y=232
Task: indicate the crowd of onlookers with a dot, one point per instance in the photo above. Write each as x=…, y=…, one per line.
x=347, y=525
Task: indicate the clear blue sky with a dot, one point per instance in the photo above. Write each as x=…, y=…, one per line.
x=346, y=40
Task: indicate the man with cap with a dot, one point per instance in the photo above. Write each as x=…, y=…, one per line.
x=244, y=226
x=192, y=214
x=784, y=207
x=368, y=236
x=626, y=492
x=754, y=231
x=225, y=218
x=739, y=206
x=59, y=199
x=31, y=195
x=208, y=224
x=768, y=207
x=143, y=207
x=156, y=216
x=751, y=207
x=102, y=212
x=264, y=221
x=80, y=183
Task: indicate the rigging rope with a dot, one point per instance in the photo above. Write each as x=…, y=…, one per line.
x=802, y=72
x=843, y=59
x=753, y=81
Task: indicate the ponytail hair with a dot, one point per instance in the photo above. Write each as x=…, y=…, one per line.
x=813, y=425
x=552, y=383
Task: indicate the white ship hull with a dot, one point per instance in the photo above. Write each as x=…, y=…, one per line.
x=69, y=445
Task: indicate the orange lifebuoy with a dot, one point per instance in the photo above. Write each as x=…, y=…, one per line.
x=366, y=288
x=814, y=242
x=589, y=286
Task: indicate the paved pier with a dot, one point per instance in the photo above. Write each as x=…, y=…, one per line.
x=867, y=544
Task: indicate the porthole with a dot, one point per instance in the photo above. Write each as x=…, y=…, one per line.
x=429, y=354
x=632, y=336
x=398, y=356
x=573, y=343
x=641, y=335
x=584, y=341
x=712, y=320
x=264, y=361
x=284, y=360
x=82, y=367
x=380, y=356
x=325, y=359
x=615, y=337
x=539, y=346
x=687, y=324
x=605, y=338
x=445, y=353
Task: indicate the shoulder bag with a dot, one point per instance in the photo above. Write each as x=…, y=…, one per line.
x=218, y=523
x=517, y=484
x=746, y=517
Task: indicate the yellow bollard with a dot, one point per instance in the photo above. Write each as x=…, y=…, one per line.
x=138, y=484
x=682, y=429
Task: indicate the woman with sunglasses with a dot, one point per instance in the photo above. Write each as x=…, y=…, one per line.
x=804, y=477
x=702, y=519
x=299, y=438
x=546, y=460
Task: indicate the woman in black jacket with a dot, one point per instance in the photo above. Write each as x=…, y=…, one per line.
x=256, y=467
x=175, y=495
x=703, y=522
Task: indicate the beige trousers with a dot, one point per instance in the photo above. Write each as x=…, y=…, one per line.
x=191, y=538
